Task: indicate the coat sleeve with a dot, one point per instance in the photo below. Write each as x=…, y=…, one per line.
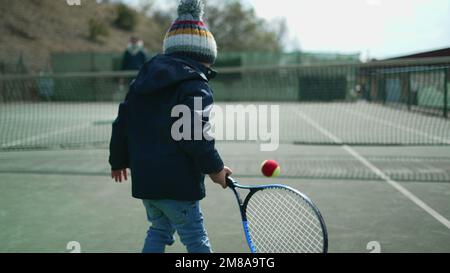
x=118, y=147
x=202, y=150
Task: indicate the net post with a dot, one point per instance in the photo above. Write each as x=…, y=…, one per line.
x=446, y=84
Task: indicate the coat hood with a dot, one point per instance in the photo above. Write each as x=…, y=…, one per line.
x=165, y=71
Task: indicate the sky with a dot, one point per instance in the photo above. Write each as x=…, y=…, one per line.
x=373, y=28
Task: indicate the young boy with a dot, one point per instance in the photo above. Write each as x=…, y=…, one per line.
x=168, y=175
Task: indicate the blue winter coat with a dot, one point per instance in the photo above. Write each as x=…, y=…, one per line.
x=161, y=167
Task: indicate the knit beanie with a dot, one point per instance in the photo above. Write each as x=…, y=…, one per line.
x=188, y=36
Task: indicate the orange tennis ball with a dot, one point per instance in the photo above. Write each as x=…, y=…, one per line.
x=270, y=168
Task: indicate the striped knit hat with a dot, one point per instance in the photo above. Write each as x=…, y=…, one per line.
x=189, y=36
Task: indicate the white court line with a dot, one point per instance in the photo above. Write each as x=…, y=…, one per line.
x=44, y=135
x=400, y=127
x=376, y=170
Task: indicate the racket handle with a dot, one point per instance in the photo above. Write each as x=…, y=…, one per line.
x=231, y=182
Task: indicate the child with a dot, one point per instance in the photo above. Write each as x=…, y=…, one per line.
x=168, y=175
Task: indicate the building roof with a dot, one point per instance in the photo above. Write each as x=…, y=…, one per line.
x=444, y=52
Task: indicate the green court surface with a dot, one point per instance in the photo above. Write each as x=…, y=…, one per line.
x=52, y=125
x=377, y=173
x=50, y=198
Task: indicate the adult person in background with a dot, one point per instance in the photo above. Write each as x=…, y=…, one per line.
x=133, y=59
x=135, y=56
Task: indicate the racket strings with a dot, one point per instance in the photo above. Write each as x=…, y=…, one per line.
x=279, y=237
x=288, y=234
x=282, y=221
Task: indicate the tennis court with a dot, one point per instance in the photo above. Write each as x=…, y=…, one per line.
x=378, y=171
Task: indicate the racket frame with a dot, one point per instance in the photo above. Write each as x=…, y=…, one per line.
x=234, y=185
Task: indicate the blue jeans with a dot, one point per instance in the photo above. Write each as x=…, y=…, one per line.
x=168, y=216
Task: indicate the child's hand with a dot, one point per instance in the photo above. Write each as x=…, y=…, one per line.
x=221, y=177
x=117, y=175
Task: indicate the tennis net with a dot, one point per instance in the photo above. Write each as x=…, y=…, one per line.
x=399, y=102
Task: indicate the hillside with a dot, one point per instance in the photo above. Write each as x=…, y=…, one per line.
x=36, y=28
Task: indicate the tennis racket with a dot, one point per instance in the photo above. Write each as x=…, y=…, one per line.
x=280, y=219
